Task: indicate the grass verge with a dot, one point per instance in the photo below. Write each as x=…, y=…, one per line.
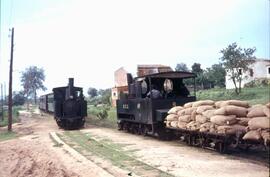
x=15, y=116
x=255, y=95
x=89, y=146
x=110, y=121
x=7, y=135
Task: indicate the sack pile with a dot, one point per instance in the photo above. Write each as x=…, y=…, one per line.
x=259, y=123
x=222, y=117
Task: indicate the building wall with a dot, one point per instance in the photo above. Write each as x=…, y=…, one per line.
x=116, y=93
x=120, y=77
x=259, y=69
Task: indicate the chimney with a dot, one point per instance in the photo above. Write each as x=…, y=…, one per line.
x=71, y=82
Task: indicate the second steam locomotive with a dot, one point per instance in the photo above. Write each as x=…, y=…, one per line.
x=67, y=104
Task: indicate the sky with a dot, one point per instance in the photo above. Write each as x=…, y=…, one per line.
x=90, y=39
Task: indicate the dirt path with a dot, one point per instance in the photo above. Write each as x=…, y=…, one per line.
x=181, y=160
x=35, y=154
x=96, y=151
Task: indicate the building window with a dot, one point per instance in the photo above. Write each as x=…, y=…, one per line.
x=240, y=71
x=251, y=72
x=268, y=70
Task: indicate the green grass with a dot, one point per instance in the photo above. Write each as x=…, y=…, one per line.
x=15, y=116
x=109, y=122
x=256, y=95
x=7, y=135
x=88, y=146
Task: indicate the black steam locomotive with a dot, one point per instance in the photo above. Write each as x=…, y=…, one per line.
x=145, y=107
x=67, y=104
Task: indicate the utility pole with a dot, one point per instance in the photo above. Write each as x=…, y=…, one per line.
x=10, y=83
x=2, y=101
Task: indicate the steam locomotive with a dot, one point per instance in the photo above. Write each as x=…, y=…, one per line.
x=67, y=104
x=149, y=98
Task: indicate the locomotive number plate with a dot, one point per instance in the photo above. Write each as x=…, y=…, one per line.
x=125, y=106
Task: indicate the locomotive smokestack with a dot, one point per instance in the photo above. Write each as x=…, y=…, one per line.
x=70, y=82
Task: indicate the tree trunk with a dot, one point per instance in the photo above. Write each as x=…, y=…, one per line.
x=236, y=89
x=35, y=97
x=240, y=81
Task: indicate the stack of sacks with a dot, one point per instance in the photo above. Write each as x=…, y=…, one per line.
x=172, y=117
x=185, y=117
x=230, y=117
x=259, y=123
x=201, y=115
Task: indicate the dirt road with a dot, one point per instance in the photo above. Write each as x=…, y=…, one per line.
x=44, y=150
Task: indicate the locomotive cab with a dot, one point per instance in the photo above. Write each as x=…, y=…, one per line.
x=145, y=107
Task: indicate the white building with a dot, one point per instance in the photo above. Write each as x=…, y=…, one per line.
x=258, y=70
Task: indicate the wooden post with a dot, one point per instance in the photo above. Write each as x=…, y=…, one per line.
x=2, y=103
x=10, y=84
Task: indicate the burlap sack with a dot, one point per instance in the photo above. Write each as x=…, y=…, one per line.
x=182, y=125
x=259, y=123
x=203, y=102
x=223, y=120
x=243, y=121
x=252, y=135
x=266, y=111
x=193, y=115
x=229, y=130
x=206, y=125
x=268, y=105
x=201, y=119
x=220, y=111
x=188, y=105
x=235, y=103
x=218, y=104
x=181, y=112
x=172, y=117
x=213, y=128
x=174, y=124
x=188, y=111
x=231, y=110
x=204, y=108
x=266, y=136
x=168, y=123
x=256, y=111
x=190, y=124
x=236, y=110
x=175, y=109
x=185, y=118
x=209, y=113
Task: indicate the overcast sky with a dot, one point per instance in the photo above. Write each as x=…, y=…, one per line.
x=89, y=40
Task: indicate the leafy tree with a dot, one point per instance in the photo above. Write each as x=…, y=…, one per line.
x=92, y=92
x=216, y=75
x=181, y=67
x=196, y=68
x=32, y=80
x=18, y=98
x=236, y=61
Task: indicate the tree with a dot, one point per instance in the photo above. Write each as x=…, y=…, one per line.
x=32, y=80
x=181, y=67
x=196, y=68
x=92, y=92
x=236, y=61
x=216, y=75
x=18, y=98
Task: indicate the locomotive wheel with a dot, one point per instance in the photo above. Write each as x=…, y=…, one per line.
x=221, y=147
x=120, y=126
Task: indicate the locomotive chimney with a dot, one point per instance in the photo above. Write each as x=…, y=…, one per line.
x=71, y=82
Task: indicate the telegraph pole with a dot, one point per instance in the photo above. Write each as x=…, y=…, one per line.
x=2, y=101
x=10, y=83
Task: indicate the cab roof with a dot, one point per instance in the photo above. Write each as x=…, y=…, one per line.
x=170, y=74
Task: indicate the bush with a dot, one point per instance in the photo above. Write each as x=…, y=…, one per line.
x=258, y=83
